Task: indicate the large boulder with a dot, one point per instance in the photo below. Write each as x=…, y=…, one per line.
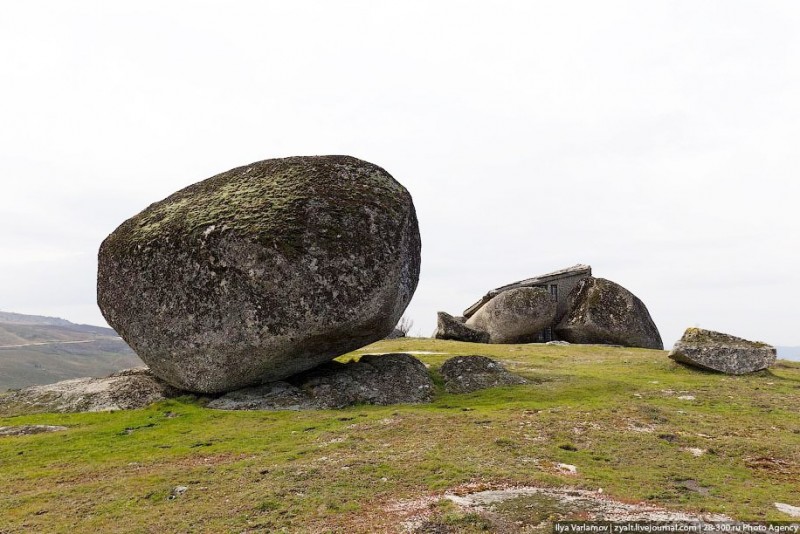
x=262, y=272
x=124, y=390
x=601, y=311
x=374, y=379
x=465, y=374
x=449, y=327
x=515, y=315
x=724, y=353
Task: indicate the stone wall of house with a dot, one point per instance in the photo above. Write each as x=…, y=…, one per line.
x=565, y=286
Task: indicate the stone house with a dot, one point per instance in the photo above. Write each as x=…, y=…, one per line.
x=558, y=283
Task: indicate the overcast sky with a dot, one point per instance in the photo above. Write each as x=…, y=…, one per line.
x=658, y=142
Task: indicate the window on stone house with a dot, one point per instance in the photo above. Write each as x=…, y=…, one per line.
x=554, y=291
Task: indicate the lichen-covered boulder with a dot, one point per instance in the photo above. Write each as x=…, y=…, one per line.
x=262, y=272
x=515, y=315
x=603, y=312
x=453, y=328
x=715, y=351
x=465, y=374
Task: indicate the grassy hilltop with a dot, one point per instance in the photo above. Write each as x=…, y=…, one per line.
x=634, y=423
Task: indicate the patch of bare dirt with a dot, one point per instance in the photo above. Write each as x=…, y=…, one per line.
x=528, y=508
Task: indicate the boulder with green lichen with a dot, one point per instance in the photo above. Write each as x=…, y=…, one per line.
x=715, y=351
x=262, y=271
x=514, y=316
x=604, y=312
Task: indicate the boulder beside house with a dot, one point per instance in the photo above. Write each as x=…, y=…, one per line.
x=558, y=283
x=601, y=311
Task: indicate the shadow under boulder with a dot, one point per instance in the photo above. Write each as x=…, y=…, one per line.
x=383, y=380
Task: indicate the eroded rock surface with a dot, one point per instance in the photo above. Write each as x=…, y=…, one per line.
x=385, y=379
x=603, y=312
x=720, y=352
x=514, y=315
x=465, y=374
x=262, y=272
x=449, y=327
x=125, y=390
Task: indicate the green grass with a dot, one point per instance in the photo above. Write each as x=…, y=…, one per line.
x=615, y=413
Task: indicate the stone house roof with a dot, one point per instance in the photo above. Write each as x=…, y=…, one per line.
x=569, y=272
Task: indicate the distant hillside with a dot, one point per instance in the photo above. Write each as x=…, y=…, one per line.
x=789, y=353
x=19, y=318
x=41, y=350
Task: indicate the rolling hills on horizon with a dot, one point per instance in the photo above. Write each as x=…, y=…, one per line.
x=36, y=349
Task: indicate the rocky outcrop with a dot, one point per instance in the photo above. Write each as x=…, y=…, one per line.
x=385, y=379
x=601, y=311
x=465, y=374
x=724, y=353
x=125, y=390
x=453, y=328
x=515, y=315
x=262, y=272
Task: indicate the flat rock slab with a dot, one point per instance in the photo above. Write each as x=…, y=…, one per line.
x=715, y=351
x=465, y=374
x=125, y=390
x=383, y=380
x=28, y=430
x=788, y=509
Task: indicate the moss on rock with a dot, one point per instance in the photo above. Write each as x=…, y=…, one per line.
x=268, y=201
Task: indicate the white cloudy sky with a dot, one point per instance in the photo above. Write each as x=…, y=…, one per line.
x=657, y=141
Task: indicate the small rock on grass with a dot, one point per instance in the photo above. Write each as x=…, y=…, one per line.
x=788, y=509
x=567, y=469
x=695, y=451
x=465, y=374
